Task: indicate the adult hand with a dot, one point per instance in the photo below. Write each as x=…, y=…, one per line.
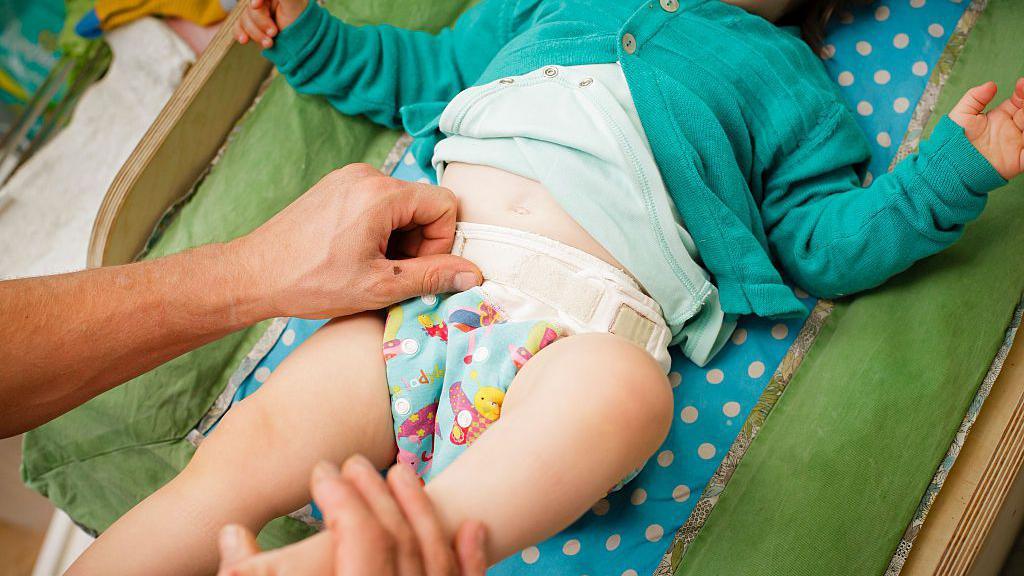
x=373, y=528
x=333, y=253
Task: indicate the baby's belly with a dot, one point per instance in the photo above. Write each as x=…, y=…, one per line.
x=499, y=198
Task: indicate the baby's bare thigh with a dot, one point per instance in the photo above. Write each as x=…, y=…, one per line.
x=328, y=400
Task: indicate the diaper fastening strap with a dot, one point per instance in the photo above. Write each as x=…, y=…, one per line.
x=579, y=285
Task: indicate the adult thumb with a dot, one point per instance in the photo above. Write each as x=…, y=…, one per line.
x=435, y=274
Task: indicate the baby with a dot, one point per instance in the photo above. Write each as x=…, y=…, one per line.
x=631, y=176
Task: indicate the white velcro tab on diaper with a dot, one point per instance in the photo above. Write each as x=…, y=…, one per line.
x=548, y=280
x=632, y=326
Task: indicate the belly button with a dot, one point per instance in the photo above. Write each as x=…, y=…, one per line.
x=521, y=210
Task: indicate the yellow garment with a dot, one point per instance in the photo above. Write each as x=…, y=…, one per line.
x=114, y=13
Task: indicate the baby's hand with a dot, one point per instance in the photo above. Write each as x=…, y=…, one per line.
x=263, y=19
x=999, y=134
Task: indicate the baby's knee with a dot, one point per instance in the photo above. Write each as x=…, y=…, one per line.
x=620, y=383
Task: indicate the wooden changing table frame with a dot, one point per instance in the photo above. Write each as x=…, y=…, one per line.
x=975, y=517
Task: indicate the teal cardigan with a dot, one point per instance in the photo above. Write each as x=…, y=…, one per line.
x=758, y=150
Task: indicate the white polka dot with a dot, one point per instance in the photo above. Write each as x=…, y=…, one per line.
x=883, y=139
x=638, y=497
x=863, y=48
x=612, y=542
x=410, y=346
x=868, y=179
x=706, y=451
x=828, y=51
x=864, y=108
x=882, y=77
x=530, y=555
x=756, y=369
x=920, y=68
x=654, y=532
x=429, y=299
x=901, y=40
x=936, y=30
x=665, y=458
x=731, y=409
x=402, y=406
x=715, y=376
x=481, y=354
x=261, y=374
x=288, y=337
x=675, y=378
x=629, y=572
x=845, y=78
x=882, y=13
x=571, y=547
x=900, y=105
x=780, y=331
x=846, y=17
x=917, y=3
x=688, y=415
x=739, y=336
x=681, y=493
x=601, y=507
x=409, y=160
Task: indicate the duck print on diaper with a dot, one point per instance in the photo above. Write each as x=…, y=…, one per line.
x=450, y=362
x=472, y=418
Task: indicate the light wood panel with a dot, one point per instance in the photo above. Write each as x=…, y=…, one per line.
x=179, y=146
x=966, y=533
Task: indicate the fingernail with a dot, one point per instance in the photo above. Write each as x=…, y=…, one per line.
x=271, y=31
x=324, y=470
x=466, y=280
x=230, y=536
x=267, y=43
x=360, y=462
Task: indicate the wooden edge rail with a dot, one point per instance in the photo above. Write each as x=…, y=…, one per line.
x=975, y=515
x=177, y=148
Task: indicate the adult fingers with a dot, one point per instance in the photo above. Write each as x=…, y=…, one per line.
x=362, y=545
x=976, y=100
x=431, y=208
x=398, y=280
x=436, y=548
x=470, y=540
x=236, y=545
x=365, y=478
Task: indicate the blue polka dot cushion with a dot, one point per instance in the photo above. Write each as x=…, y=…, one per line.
x=881, y=57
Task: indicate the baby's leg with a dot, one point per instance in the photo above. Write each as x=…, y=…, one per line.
x=328, y=400
x=578, y=417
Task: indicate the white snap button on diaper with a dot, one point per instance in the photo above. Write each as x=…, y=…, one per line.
x=429, y=299
x=409, y=346
x=464, y=419
x=402, y=406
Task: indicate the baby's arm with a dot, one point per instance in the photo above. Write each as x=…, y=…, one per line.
x=834, y=237
x=376, y=70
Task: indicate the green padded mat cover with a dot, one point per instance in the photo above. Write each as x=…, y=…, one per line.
x=834, y=478
x=99, y=460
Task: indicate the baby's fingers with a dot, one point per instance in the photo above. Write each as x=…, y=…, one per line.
x=261, y=19
x=253, y=30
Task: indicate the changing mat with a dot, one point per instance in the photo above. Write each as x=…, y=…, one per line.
x=883, y=75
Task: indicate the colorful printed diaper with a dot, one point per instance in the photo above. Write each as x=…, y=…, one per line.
x=450, y=360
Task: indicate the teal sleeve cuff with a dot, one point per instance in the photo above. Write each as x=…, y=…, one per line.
x=296, y=38
x=949, y=145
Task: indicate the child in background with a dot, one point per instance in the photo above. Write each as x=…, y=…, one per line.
x=631, y=176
